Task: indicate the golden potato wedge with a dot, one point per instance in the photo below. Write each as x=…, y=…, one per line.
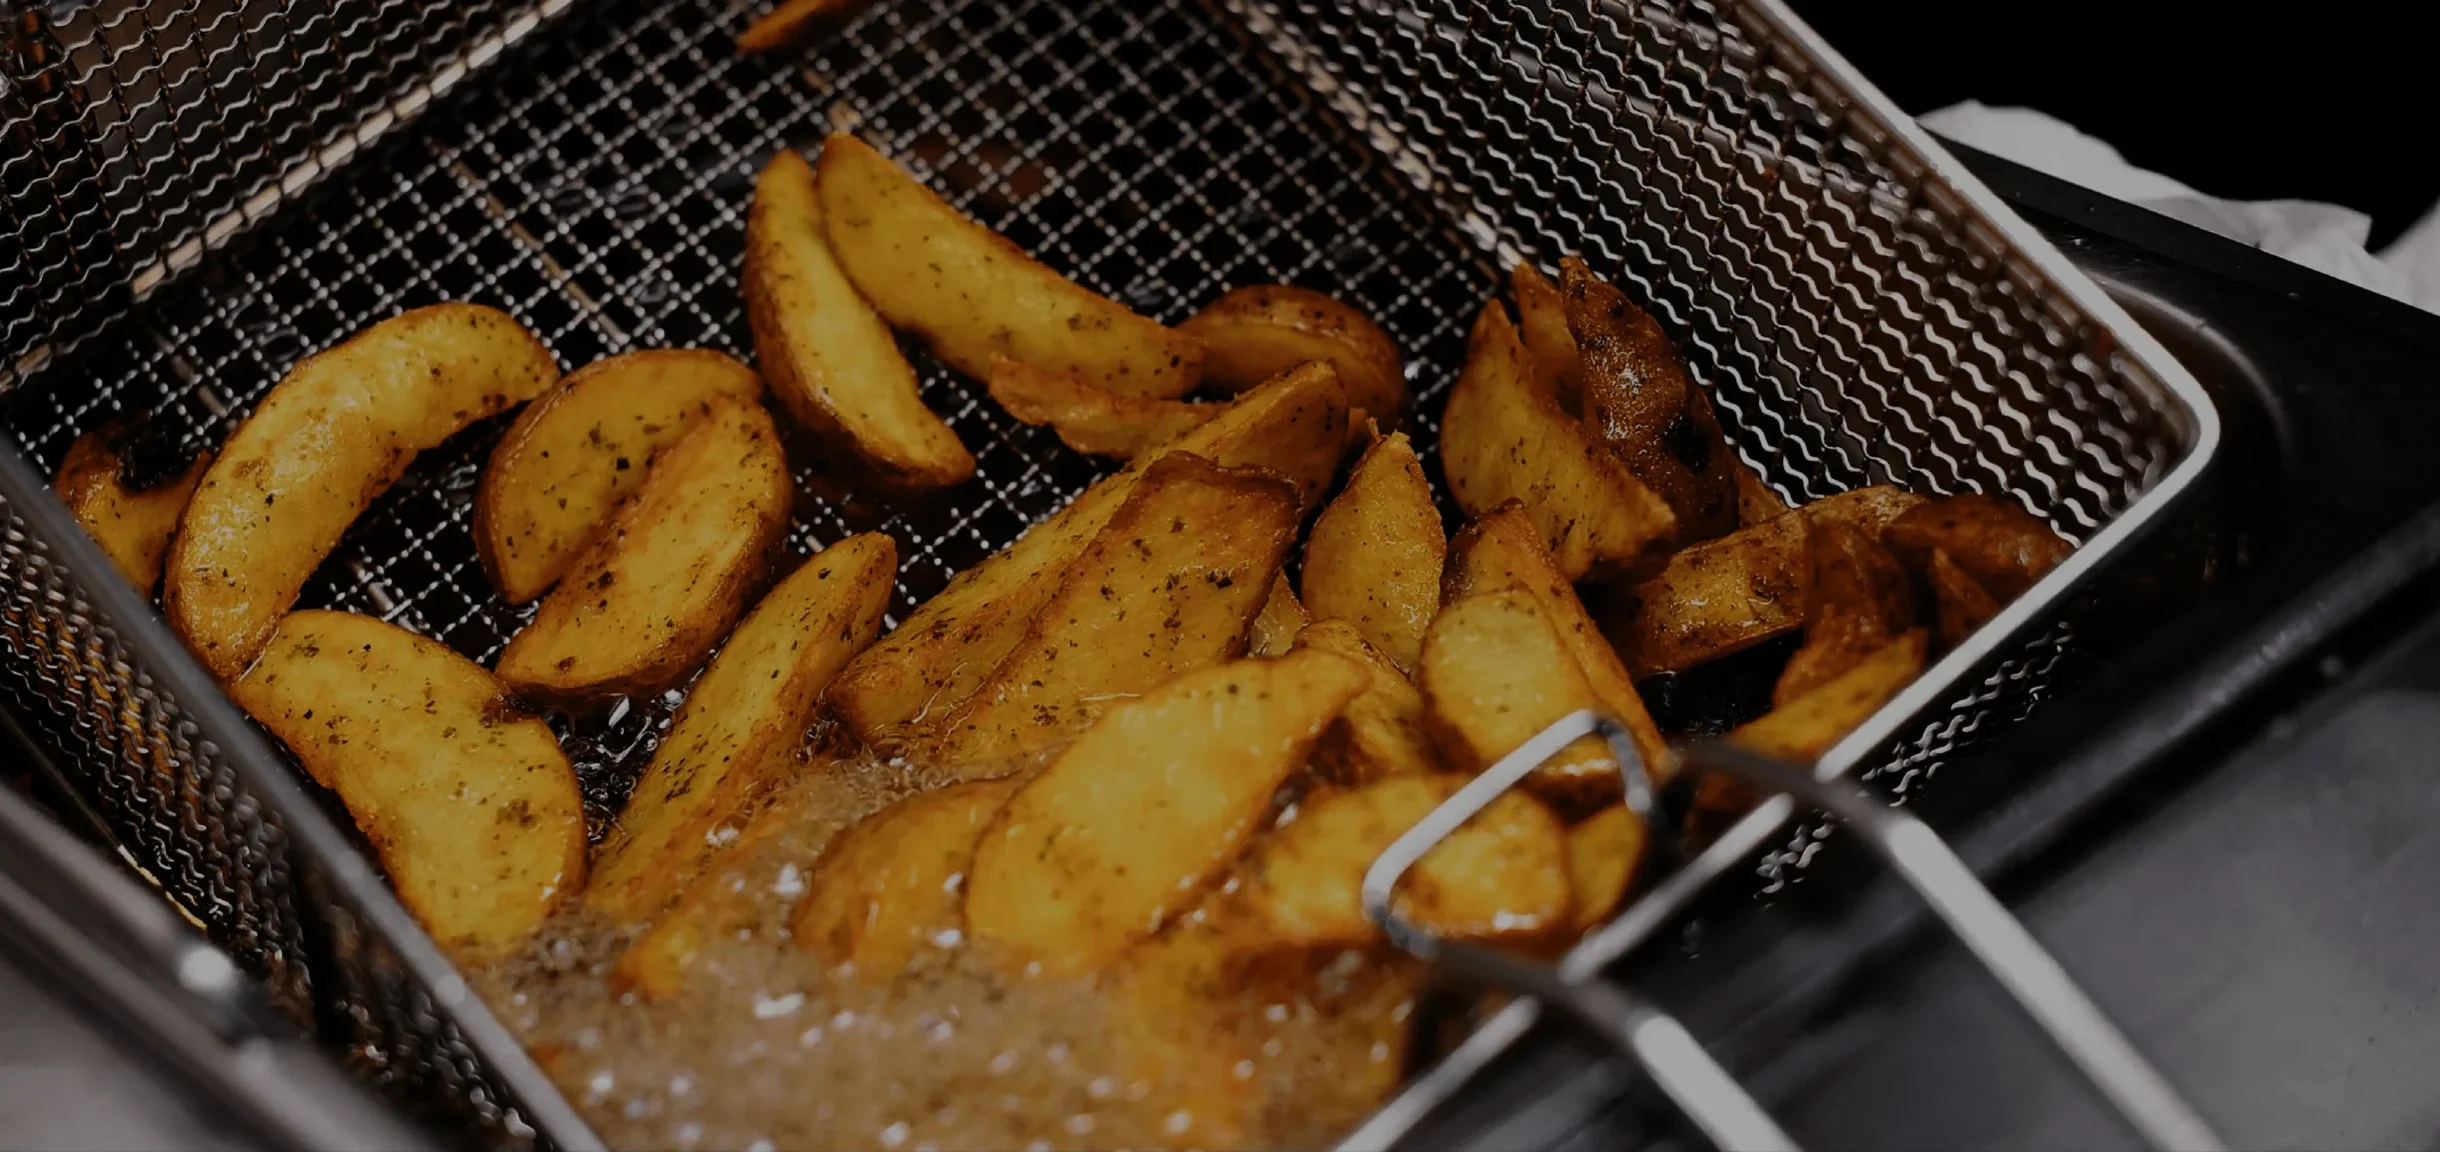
x=757, y=697
x=1501, y=439
x=1503, y=552
x=1651, y=414
x=1859, y=601
x=1153, y=801
x=831, y=361
x=1549, y=346
x=1296, y=426
x=1501, y=876
x=1756, y=500
x=2002, y=546
x=645, y=604
x=1375, y=554
x=970, y=293
x=1960, y=603
x=1800, y=730
x=1275, y=627
x=126, y=502
x=555, y=479
x=333, y=434
x=1729, y=594
x=788, y=22
x=888, y=887
x=470, y=803
x=733, y=897
x=1171, y=586
x=1087, y=419
x=1382, y=733
x=1495, y=672
x=1254, y=333
x=1603, y=852
x=1176, y=1019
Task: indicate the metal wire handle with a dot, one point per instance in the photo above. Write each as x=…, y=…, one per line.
x=1709, y=1097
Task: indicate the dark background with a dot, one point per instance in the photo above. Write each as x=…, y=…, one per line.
x=2322, y=101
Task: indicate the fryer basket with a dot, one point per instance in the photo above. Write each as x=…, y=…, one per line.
x=201, y=193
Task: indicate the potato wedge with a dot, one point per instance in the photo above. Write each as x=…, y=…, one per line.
x=888, y=887
x=970, y=293
x=1549, y=346
x=1603, y=852
x=736, y=895
x=1651, y=414
x=786, y=24
x=646, y=603
x=1495, y=672
x=1176, y=1018
x=757, y=697
x=333, y=434
x=1254, y=333
x=1382, y=732
x=1127, y=825
x=1275, y=627
x=1860, y=600
x=1295, y=426
x=1087, y=419
x=831, y=362
x=1960, y=603
x=470, y=803
x=1804, y=728
x=1500, y=439
x=1729, y=594
x=1171, y=586
x=1502, y=876
x=553, y=482
x=1756, y=500
x=2002, y=546
x=125, y=500
x=1375, y=554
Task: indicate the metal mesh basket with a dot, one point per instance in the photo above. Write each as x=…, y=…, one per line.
x=203, y=192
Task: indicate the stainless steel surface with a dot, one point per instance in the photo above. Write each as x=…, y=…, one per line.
x=1856, y=304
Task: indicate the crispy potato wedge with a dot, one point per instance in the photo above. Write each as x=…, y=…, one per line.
x=333, y=434
x=1503, y=552
x=1804, y=728
x=2002, y=546
x=1296, y=426
x=830, y=360
x=1549, y=346
x=1652, y=415
x=1254, y=333
x=1171, y=586
x=1729, y=594
x=1127, y=825
x=970, y=293
x=1960, y=603
x=756, y=698
x=1501, y=876
x=888, y=887
x=104, y=481
x=1495, y=672
x=1087, y=419
x=1375, y=554
x=470, y=803
x=1756, y=500
x=1275, y=627
x=1382, y=732
x=1500, y=439
x=645, y=604
x=553, y=482
x=1860, y=600
x=1603, y=852
x=733, y=897
x=788, y=23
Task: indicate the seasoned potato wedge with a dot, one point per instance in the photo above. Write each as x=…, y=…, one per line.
x=1729, y=594
x=2002, y=546
x=132, y=515
x=469, y=801
x=1172, y=585
x=1153, y=801
x=1551, y=348
x=1275, y=627
x=1087, y=419
x=1860, y=600
x=1296, y=426
x=1382, y=732
x=1495, y=672
x=1254, y=333
x=555, y=479
x=1501, y=439
x=756, y=698
x=1651, y=414
x=1960, y=603
x=333, y=434
x=1802, y=729
x=1501, y=876
x=1756, y=501
x=1375, y=554
x=643, y=606
x=1602, y=854
x=735, y=894
x=888, y=886
x=831, y=362
x=970, y=293
x=788, y=22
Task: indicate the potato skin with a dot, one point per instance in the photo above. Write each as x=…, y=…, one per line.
x=1861, y=599
x=1960, y=603
x=1374, y=557
x=1653, y=416
x=2002, y=546
x=133, y=525
x=1253, y=333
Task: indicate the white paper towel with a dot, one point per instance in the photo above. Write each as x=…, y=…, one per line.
x=2324, y=237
